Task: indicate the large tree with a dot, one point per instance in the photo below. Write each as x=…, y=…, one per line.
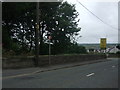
x=16, y=21
x=61, y=22
x=57, y=18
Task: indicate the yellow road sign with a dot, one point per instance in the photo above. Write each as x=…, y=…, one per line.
x=103, y=43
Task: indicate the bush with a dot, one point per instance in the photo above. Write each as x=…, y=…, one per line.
x=8, y=53
x=118, y=52
x=76, y=49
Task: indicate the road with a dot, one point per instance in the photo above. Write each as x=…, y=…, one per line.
x=96, y=75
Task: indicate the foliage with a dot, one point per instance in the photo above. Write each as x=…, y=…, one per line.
x=76, y=49
x=64, y=28
x=118, y=46
x=118, y=52
x=57, y=18
x=16, y=21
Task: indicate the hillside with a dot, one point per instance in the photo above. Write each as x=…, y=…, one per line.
x=97, y=46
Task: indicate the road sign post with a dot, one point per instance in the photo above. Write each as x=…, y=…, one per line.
x=49, y=52
x=49, y=37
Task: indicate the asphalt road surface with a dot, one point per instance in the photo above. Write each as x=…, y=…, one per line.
x=96, y=75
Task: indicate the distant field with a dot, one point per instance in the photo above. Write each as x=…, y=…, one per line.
x=96, y=46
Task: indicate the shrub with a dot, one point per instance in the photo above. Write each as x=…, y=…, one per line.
x=118, y=52
x=76, y=49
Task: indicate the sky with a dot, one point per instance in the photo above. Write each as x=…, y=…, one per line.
x=92, y=29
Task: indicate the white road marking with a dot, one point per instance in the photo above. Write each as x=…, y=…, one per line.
x=113, y=66
x=90, y=74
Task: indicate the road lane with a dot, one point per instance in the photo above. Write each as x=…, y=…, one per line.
x=105, y=76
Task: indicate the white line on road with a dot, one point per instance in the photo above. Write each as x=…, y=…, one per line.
x=113, y=66
x=90, y=74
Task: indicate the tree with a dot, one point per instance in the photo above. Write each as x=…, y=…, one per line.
x=48, y=11
x=118, y=46
x=57, y=18
x=65, y=27
x=60, y=22
x=17, y=24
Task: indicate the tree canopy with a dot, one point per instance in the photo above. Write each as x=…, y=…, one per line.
x=58, y=18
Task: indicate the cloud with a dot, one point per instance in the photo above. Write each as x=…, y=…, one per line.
x=92, y=28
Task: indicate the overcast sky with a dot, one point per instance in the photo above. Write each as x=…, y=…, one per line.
x=92, y=29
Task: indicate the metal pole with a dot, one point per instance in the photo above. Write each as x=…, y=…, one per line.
x=49, y=52
x=36, y=35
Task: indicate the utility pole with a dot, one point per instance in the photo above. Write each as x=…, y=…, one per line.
x=37, y=35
